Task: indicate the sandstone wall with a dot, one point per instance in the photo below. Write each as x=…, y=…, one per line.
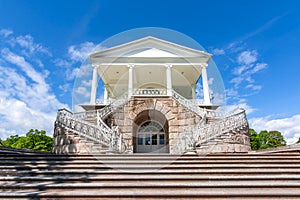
x=177, y=117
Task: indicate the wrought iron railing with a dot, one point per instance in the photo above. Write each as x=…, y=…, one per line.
x=205, y=133
x=191, y=105
x=98, y=134
x=112, y=106
x=202, y=133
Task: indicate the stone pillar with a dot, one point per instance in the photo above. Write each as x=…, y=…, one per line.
x=169, y=79
x=94, y=86
x=206, y=99
x=130, y=80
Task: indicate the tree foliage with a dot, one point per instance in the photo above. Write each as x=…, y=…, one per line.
x=34, y=139
x=266, y=139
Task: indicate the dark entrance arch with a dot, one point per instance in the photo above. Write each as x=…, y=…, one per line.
x=150, y=132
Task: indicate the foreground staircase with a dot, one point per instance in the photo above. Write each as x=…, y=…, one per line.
x=247, y=176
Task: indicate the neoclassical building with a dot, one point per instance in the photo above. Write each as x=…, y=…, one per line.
x=150, y=106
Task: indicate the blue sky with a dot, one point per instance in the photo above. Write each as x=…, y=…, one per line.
x=256, y=46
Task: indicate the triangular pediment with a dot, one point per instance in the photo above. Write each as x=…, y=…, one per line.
x=152, y=52
x=149, y=47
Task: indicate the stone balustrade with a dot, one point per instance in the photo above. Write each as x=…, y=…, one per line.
x=150, y=92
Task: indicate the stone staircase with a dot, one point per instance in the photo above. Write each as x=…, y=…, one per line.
x=221, y=140
x=228, y=135
x=161, y=176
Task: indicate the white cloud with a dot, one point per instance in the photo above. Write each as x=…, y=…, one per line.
x=16, y=113
x=72, y=73
x=26, y=99
x=29, y=46
x=64, y=87
x=237, y=80
x=82, y=91
x=289, y=126
x=239, y=70
x=246, y=70
x=5, y=32
x=85, y=71
x=62, y=63
x=258, y=67
x=23, y=64
x=247, y=57
x=242, y=103
x=218, y=51
x=254, y=87
x=211, y=81
x=78, y=53
x=87, y=83
x=25, y=104
x=232, y=93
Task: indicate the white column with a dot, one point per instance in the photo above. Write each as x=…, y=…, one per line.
x=169, y=80
x=94, y=86
x=105, y=96
x=193, y=91
x=206, y=99
x=130, y=80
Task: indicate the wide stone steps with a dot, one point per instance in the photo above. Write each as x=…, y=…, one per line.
x=159, y=176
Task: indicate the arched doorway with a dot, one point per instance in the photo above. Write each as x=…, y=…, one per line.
x=151, y=132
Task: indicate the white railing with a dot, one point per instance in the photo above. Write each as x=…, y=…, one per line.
x=193, y=137
x=112, y=106
x=191, y=105
x=150, y=92
x=85, y=114
x=205, y=133
x=83, y=129
x=221, y=114
x=104, y=101
x=100, y=134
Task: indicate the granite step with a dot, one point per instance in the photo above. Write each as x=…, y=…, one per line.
x=150, y=176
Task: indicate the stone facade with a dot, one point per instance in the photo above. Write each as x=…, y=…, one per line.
x=175, y=118
x=73, y=135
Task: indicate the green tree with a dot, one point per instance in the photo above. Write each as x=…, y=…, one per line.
x=275, y=139
x=298, y=140
x=263, y=138
x=254, y=140
x=266, y=139
x=34, y=139
x=9, y=142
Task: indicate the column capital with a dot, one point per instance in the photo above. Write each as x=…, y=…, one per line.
x=204, y=65
x=168, y=65
x=130, y=66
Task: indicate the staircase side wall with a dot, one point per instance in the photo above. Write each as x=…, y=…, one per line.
x=235, y=141
x=66, y=142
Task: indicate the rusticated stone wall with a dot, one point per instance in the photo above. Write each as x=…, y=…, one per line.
x=177, y=117
x=235, y=141
x=66, y=142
